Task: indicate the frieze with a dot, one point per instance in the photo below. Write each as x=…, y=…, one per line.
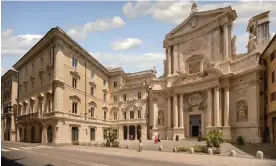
x=195, y=45
x=242, y=111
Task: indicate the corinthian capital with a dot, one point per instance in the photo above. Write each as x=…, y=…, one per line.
x=216, y=87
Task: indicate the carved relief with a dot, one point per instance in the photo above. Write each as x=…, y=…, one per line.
x=233, y=42
x=241, y=93
x=196, y=45
x=195, y=99
x=242, y=111
x=161, y=118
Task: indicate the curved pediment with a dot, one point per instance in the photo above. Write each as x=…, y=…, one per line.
x=92, y=103
x=208, y=72
x=75, y=98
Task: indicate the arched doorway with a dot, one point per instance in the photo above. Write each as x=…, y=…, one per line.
x=131, y=132
x=125, y=132
x=33, y=134
x=50, y=134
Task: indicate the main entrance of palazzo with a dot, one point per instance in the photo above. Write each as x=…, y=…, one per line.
x=195, y=125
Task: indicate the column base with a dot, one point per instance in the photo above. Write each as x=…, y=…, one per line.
x=180, y=132
x=226, y=130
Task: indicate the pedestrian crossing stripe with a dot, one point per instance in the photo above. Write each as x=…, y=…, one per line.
x=14, y=149
x=4, y=150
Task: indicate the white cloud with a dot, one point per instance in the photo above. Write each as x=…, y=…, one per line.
x=241, y=42
x=99, y=25
x=175, y=12
x=132, y=62
x=17, y=45
x=126, y=44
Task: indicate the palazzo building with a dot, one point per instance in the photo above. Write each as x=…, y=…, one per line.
x=8, y=105
x=66, y=95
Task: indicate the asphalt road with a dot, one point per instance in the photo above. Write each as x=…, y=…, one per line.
x=37, y=155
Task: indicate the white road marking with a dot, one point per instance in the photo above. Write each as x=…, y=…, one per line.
x=14, y=149
x=4, y=150
x=25, y=148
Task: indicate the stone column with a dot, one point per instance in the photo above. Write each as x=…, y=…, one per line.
x=175, y=111
x=181, y=111
x=226, y=106
x=225, y=37
x=209, y=107
x=175, y=59
x=136, y=128
x=169, y=61
x=217, y=106
x=154, y=111
x=12, y=122
x=178, y=58
x=169, y=117
x=42, y=107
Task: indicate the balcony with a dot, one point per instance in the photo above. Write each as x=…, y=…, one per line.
x=28, y=117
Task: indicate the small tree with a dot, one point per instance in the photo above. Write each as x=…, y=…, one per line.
x=111, y=136
x=240, y=140
x=214, y=139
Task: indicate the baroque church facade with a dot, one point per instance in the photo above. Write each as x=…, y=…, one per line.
x=206, y=85
x=66, y=95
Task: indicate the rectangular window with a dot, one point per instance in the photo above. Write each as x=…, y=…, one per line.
x=125, y=115
x=49, y=105
x=273, y=96
x=50, y=56
x=273, y=76
x=41, y=61
x=115, y=98
x=104, y=82
x=115, y=115
x=104, y=115
x=92, y=112
x=26, y=72
x=92, y=134
x=74, y=108
x=139, y=95
x=124, y=97
x=50, y=76
x=25, y=87
x=272, y=56
x=33, y=67
x=33, y=86
x=75, y=134
x=131, y=114
x=74, y=62
x=115, y=84
x=139, y=114
x=104, y=97
x=91, y=74
x=74, y=83
x=92, y=91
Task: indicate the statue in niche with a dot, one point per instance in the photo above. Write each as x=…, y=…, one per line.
x=211, y=64
x=233, y=42
x=161, y=118
x=242, y=111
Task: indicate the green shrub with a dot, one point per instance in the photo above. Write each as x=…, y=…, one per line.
x=240, y=140
x=198, y=148
x=213, y=138
x=182, y=149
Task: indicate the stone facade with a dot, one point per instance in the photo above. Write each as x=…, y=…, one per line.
x=207, y=86
x=8, y=105
x=66, y=95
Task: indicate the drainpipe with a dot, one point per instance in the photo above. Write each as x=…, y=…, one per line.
x=85, y=107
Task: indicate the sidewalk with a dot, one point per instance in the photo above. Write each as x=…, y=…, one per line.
x=176, y=157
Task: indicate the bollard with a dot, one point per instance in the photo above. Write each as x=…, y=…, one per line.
x=210, y=151
x=160, y=148
x=174, y=149
x=140, y=147
x=127, y=146
x=192, y=150
x=260, y=154
x=232, y=153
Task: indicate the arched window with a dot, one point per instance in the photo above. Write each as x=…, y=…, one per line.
x=92, y=111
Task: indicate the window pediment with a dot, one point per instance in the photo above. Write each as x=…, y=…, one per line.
x=92, y=83
x=40, y=96
x=105, y=108
x=75, y=98
x=105, y=90
x=93, y=104
x=75, y=73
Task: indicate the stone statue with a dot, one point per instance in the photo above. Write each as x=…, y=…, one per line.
x=161, y=118
x=211, y=64
x=233, y=42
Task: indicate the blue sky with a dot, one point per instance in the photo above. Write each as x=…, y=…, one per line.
x=126, y=34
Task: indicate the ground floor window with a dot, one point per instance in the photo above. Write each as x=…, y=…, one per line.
x=75, y=134
x=105, y=133
x=92, y=134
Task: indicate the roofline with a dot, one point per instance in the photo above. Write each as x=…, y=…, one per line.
x=271, y=41
x=15, y=65
x=7, y=72
x=264, y=14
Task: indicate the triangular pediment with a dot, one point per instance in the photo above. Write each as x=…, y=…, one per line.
x=197, y=20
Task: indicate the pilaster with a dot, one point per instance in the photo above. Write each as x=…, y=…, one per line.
x=217, y=106
x=59, y=62
x=175, y=111
x=209, y=107
x=181, y=118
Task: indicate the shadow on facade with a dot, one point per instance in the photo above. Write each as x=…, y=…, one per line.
x=9, y=162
